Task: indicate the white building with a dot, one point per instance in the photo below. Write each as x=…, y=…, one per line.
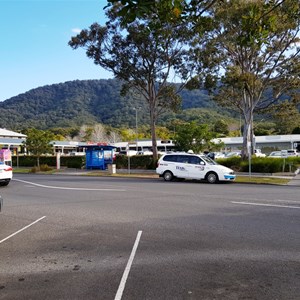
x=11, y=140
x=267, y=143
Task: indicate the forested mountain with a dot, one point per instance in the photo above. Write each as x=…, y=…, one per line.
x=79, y=102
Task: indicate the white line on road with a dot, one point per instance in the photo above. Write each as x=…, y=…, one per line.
x=264, y=204
x=69, y=188
x=128, y=266
x=22, y=229
x=294, y=201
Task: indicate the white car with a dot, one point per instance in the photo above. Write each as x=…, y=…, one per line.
x=275, y=154
x=6, y=174
x=233, y=154
x=192, y=166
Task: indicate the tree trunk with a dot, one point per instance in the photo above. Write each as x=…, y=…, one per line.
x=153, y=133
x=248, y=145
x=152, y=111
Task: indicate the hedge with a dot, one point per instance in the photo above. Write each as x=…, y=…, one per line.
x=77, y=162
x=258, y=164
x=262, y=164
x=136, y=162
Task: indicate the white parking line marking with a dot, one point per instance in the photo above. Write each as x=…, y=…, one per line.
x=127, y=269
x=22, y=229
x=264, y=204
x=69, y=188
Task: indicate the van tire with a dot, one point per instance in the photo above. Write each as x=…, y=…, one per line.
x=168, y=176
x=212, y=177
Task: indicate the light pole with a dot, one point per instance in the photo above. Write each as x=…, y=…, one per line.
x=136, y=127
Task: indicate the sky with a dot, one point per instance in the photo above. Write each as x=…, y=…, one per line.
x=34, y=47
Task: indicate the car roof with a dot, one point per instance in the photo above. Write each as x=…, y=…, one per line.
x=182, y=153
x=275, y=152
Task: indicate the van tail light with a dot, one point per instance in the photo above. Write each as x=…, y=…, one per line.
x=8, y=169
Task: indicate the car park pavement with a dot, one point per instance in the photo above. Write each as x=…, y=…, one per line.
x=295, y=180
x=72, y=237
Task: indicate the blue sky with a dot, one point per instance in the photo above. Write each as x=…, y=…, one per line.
x=34, y=47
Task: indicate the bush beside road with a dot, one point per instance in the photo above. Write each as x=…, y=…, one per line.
x=145, y=162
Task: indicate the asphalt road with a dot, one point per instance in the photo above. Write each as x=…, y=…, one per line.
x=76, y=237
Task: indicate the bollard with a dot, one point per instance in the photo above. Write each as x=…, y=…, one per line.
x=111, y=168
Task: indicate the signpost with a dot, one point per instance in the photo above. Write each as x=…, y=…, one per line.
x=284, y=155
x=128, y=157
x=128, y=153
x=249, y=156
x=58, y=160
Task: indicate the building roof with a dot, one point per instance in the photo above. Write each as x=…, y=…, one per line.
x=67, y=144
x=4, y=133
x=289, y=138
x=12, y=142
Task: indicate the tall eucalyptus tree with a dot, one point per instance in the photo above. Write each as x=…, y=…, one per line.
x=255, y=51
x=145, y=54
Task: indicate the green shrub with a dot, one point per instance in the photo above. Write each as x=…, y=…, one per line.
x=42, y=168
x=34, y=170
x=136, y=162
x=45, y=168
x=77, y=162
x=65, y=161
x=262, y=164
x=234, y=163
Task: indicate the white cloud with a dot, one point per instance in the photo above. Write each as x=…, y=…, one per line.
x=76, y=30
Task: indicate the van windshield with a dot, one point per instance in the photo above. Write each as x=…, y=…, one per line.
x=208, y=160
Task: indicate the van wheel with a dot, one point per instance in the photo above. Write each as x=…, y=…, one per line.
x=168, y=176
x=212, y=177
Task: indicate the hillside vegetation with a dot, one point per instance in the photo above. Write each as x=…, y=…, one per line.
x=79, y=102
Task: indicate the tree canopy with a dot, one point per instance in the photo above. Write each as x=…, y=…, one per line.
x=38, y=142
x=195, y=137
x=253, y=47
x=142, y=58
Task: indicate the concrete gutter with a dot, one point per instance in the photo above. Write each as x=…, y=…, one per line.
x=296, y=179
x=293, y=177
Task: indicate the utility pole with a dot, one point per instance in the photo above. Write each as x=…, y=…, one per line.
x=136, y=128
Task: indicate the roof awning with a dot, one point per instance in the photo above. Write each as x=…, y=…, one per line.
x=11, y=142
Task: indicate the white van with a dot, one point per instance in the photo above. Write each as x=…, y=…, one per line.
x=292, y=152
x=192, y=166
